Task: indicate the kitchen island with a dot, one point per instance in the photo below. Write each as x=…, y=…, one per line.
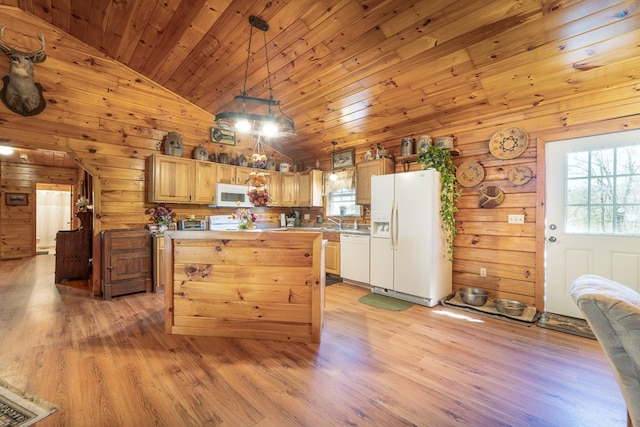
x=245, y=284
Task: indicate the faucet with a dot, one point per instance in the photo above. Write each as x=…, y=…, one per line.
x=336, y=222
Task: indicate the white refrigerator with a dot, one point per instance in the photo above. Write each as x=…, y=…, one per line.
x=408, y=250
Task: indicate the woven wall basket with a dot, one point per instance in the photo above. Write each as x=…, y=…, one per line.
x=490, y=197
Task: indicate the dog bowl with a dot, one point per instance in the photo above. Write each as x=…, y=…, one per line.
x=510, y=307
x=474, y=296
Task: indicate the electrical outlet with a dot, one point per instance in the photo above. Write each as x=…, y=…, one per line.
x=306, y=216
x=483, y=272
x=516, y=219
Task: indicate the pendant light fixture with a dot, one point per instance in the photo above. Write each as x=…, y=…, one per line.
x=333, y=176
x=261, y=120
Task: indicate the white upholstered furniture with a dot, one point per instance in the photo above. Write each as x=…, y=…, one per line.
x=613, y=312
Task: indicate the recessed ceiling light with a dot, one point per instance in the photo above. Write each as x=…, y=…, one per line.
x=5, y=151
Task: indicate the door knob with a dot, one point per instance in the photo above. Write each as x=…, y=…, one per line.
x=552, y=239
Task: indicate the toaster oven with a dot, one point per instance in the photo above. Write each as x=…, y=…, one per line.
x=192, y=224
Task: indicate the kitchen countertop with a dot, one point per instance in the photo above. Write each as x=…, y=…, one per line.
x=321, y=229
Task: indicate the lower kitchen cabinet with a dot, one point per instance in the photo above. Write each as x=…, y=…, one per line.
x=332, y=258
x=158, y=263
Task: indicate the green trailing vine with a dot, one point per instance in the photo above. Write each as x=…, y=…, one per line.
x=440, y=159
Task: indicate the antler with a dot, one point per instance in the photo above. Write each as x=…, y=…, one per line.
x=37, y=56
x=6, y=49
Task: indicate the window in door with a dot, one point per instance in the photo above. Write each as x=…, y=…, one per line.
x=601, y=191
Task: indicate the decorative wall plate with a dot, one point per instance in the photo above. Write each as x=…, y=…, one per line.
x=519, y=175
x=508, y=143
x=470, y=174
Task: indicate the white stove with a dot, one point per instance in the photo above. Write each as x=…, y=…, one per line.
x=222, y=222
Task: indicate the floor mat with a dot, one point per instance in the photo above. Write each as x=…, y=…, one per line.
x=18, y=408
x=384, y=302
x=569, y=325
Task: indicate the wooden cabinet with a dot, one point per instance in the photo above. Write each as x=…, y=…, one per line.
x=332, y=258
x=205, y=182
x=73, y=251
x=171, y=179
x=180, y=180
x=229, y=174
x=126, y=262
x=289, y=189
x=364, y=172
x=302, y=189
x=273, y=187
x=310, y=188
x=158, y=263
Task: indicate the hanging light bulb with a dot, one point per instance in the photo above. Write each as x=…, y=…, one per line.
x=334, y=175
x=269, y=129
x=243, y=126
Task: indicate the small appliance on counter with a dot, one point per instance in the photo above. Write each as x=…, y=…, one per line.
x=192, y=224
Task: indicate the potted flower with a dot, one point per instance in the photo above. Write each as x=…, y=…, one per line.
x=246, y=218
x=162, y=215
x=432, y=157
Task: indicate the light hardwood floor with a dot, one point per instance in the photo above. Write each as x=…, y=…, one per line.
x=109, y=363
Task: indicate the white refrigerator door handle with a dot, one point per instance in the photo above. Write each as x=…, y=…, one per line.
x=395, y=226
x=393, y=245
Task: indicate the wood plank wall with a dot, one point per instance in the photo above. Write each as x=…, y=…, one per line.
x=17, y=223
x=110, y=119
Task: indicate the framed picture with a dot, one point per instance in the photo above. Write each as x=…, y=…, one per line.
x=16, y=199
x=343, y=159
x=220, y=136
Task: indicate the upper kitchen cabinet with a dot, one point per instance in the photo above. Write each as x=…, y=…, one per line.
x=205, y=182
x=180, y=180
x=171, y=179
x=310, y=188
x=288, y=189
x=229, y=174
x=274, y=188
x=364, y=172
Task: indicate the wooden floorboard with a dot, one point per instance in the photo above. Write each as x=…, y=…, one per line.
x=109, y=363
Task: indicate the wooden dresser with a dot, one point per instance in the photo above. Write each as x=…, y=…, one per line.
x=126, y=262
x=73, y=251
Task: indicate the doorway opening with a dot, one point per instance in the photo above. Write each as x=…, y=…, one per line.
x=53, y=213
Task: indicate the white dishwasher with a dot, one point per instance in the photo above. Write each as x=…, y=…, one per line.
x=354, y=258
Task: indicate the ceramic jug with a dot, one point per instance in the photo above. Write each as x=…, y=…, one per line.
x=406, y=147
x=173, y=144
x=200, y=153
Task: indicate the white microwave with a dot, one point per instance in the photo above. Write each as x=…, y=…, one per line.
x=231, y=196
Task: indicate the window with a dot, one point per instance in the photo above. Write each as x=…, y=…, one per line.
x=341, y=194
x=601, y=191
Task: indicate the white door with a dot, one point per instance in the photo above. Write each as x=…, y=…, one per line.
x=593, y=214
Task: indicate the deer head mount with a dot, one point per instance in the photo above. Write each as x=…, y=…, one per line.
x=20, y=93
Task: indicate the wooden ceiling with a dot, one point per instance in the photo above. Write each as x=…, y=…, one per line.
x=363, y=72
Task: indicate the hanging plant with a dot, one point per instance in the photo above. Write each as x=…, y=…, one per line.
x=440, y=159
